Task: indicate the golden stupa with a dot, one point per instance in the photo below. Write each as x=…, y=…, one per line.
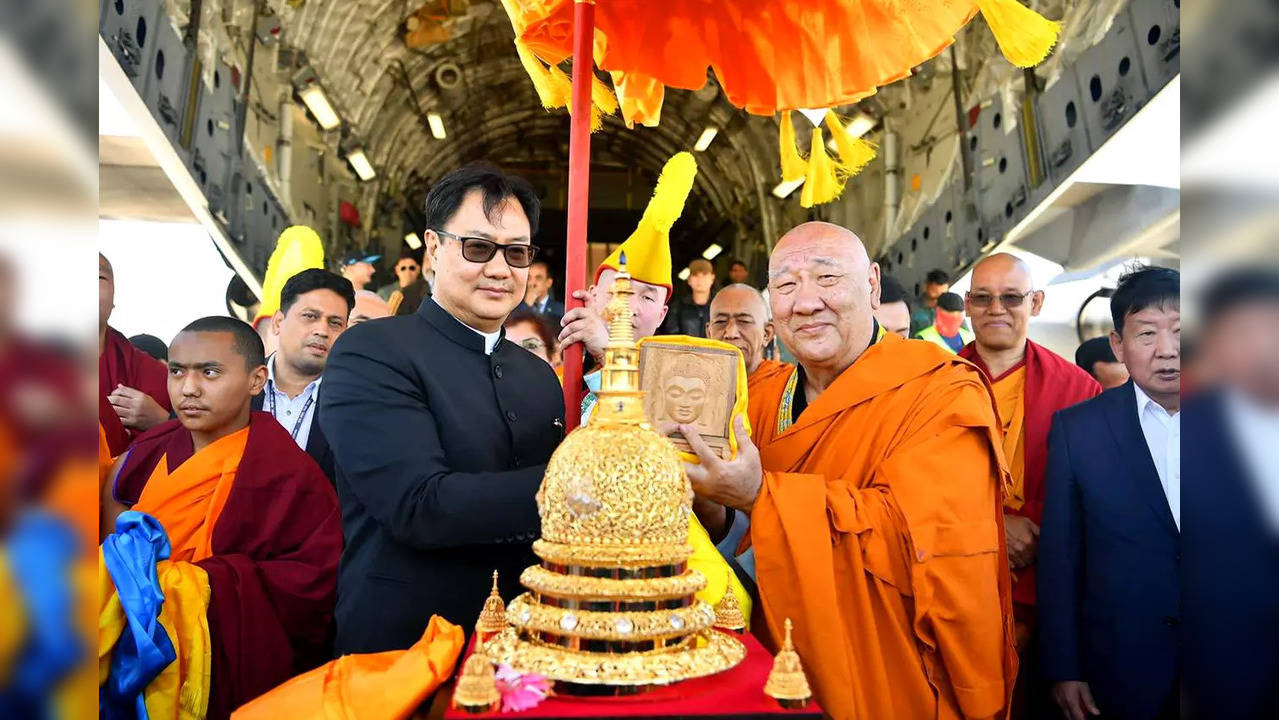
x=786, y=682
x=611, y=603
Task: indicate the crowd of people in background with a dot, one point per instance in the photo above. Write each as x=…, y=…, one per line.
x=1039, y=501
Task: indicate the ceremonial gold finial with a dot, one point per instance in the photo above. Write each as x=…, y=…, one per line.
x=786, y=681
x=620, y=398
x=728, y=614
x=493, y=616
x=476, y=690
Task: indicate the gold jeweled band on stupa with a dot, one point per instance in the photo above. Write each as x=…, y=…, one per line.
x=612, y=602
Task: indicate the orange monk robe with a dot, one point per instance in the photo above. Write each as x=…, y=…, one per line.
x=879, y=531
x=767, y=370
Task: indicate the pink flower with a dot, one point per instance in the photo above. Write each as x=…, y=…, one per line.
x=521, y=691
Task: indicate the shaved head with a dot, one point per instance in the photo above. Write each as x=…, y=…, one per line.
x=739, y=316
x=106, y=293
x=824, y=290
x=1001, y=300
x=1004, y=266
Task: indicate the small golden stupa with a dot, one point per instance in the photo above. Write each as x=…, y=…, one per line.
x=786, y=682
x=492, y=618
x=476, y=690
x=728, y=613
x=612, y=601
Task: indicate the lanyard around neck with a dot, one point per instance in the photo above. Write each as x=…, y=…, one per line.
x=297, y=425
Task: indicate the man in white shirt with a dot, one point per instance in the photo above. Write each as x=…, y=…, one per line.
x=1109, y=574
x=314, y=309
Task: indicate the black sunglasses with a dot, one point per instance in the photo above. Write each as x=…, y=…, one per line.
x=1008, y=300
x=479, y=250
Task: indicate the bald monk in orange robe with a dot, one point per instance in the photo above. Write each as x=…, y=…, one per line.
x=739, y=317
x=875, y=490
x=1030, y=383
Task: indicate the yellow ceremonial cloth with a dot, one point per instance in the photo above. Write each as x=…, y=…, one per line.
x=181, y=690
x=1010, y=399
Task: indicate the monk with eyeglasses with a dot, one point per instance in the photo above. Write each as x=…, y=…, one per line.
x=1030, y=383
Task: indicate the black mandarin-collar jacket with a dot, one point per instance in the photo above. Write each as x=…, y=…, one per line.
x=439, y=450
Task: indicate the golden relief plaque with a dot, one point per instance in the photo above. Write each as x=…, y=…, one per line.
x=690, y=385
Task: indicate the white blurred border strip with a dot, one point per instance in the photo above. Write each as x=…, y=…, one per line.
x=156, y=141
x=1230, y=152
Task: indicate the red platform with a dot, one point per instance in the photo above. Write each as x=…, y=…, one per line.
x=736, y=693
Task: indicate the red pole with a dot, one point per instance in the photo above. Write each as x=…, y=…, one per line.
x=579, y=182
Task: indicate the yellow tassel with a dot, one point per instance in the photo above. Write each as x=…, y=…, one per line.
x=793, y=166
x=1024, y=36
x=823, y=182
x=553, y=87
x=602, y=96
x=854, y=153
x=672, y=189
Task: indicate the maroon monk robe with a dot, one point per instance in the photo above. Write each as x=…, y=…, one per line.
x=123, y=364
x=273, y=572
x=1052, y=384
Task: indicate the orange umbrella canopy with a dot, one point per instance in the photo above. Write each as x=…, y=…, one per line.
x=769, y=55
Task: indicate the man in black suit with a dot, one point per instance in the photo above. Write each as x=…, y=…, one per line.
x=441, y=428
x=314, y=307
x=1230, y=573
x=538, y=296
x=1109, y=545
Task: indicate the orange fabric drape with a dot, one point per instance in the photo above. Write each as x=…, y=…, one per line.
x=879, y=532
x=1010, y=398
x=188, y=499
x=767, y=371
x=377, y=686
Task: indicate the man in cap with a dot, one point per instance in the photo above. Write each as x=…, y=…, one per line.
x=947, y=330
x=1096, y=358
x=359, y=269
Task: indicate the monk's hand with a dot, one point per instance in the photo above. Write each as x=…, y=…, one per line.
x=137, y=410
x=584, y=325
x=1023, y=540
x=732, y=483
x=1075, y=699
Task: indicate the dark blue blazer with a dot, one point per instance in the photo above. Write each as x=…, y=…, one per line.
x=1109, y=584
x=1230, y=574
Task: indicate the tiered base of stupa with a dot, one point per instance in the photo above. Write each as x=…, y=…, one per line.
x=624, y=625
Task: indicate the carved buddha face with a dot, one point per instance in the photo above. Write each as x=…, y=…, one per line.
x=685, y=398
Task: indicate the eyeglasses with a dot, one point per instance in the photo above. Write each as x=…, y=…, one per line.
x=1007, y=300
x=532, y=344
x=479, y=250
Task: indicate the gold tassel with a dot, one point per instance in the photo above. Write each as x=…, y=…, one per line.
x=554, y=89
x=822, y=183
x=854, y=153
x=602, y=95
x=793, y=166
x=1024, y=36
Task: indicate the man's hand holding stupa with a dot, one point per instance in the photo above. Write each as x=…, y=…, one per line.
x=585, y=325
x=734, y=483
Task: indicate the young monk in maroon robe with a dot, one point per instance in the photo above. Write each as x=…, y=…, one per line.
x=131, y=384
x=238, y=498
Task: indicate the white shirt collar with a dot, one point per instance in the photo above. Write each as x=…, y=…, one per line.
x=490, y=339
x=270, y=375
x=1144, y=401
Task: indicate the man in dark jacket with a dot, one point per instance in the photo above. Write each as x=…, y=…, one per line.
x=690, y=314
x=441, y=428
